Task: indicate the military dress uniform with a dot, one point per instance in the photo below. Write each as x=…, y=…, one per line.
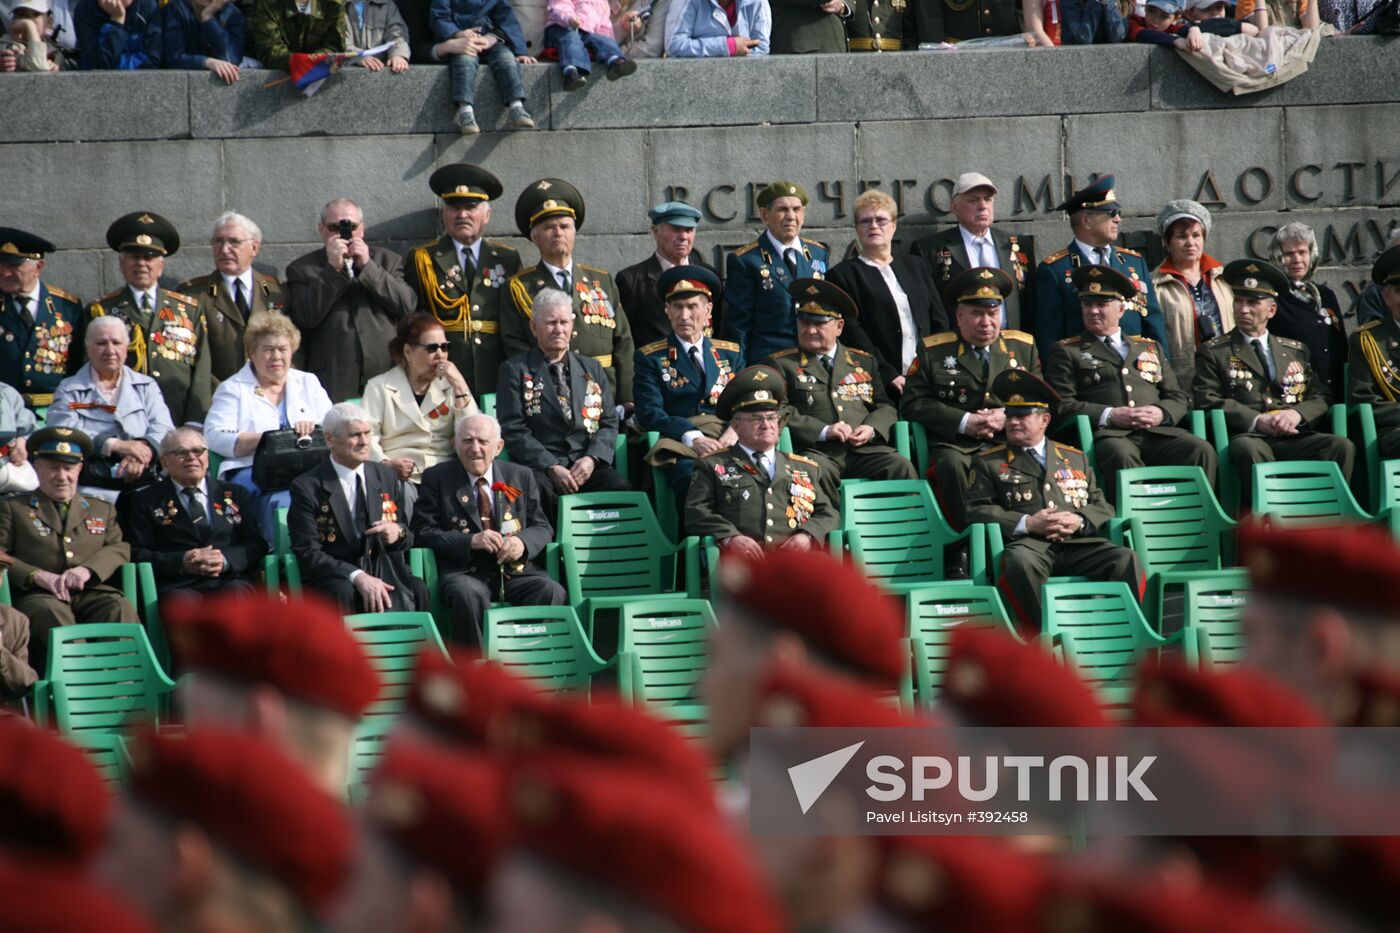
x=881, y=26
x=1010, y=484
x=948, y=381
x=845, y=387
x=225, y=320
x=469, y=300
x=1375, y=361
x=759, y=313
x=1230, y=375
x=601, y=330
x=36, y=343
x=1091, y=378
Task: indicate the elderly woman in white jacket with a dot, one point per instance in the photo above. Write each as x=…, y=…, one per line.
x=267, y=394
x=16, y=424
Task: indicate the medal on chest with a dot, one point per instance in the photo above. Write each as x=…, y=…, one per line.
x=227, y=509
x=592, y=406
x=531, y=394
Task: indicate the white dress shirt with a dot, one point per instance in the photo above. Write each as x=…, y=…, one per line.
x=474, y=249
x=554, y=274
x=1091, y=251
x=347, y=487
x=784, y=247
x=986, y=256
x=689, y=437
x=247, y=279
x=668, y=264
x=908, y=331
x=136, y=294
x=770, y=459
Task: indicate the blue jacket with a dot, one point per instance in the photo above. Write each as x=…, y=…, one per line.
x=700, y=28
x=1057, y=311
x=186, y=42
x=106, y=46
x=449, y=17
x=669, y=392
x=35, y=360
x=759, y=314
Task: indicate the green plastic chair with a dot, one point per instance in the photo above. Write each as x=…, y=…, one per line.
x=543, y=645
x=1220, y=437
x=1099, y=630
x=933, y=613
x=1388, y=505
x=487, y=403
x=1084, y=433
x=1214, y=608
x=1302, y=492
x=107, y=751
x=895, y=531
x=663, y=648
x=367, y=747
x=149, y=603
x=1370, y=453
x=100, y=677
x=614, y=551
x=392, y=641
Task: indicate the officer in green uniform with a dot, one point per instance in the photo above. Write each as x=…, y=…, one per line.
x=881, y=26
x=753, y=497
x=1375, y=356
x=955, y=20
x=169, y=337
x=550, y=212
x=839, y=413
x=38, y=322
x=1043, y=497
x=65, y=545
x=464, y=278
x=948, y=388
x=1123, y=384
x=1275, y=404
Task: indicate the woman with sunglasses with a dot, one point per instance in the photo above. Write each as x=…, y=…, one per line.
x=415, y=405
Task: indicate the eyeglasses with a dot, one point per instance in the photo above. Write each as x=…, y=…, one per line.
x=180, y=453
x=221, y=242
x=770, y=418
x=881, y=222
x=434, y=347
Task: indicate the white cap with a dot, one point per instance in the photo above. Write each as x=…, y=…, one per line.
x=969, y=180
x=38, y=6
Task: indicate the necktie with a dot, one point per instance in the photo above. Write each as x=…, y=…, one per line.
x=1035, y=455
x=361, y=506
x=564, y=279
x=483, y=503
x=562, y=390
x=240, y=300
x=1264, y=357
x=826, y=362
x=981, y=244
x=761, y=462
x=695, y=361
x=790, y=260
x=21, y=305
x=985, y=356
x=469, y=269
x=1108, y=342
x=62, y=512
x=196, y=510
x=145, y=301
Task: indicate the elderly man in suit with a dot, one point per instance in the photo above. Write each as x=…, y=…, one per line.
x=673, y=226
x=339, y=508
x=199, y=534
x=484, y=520
x=556, y=408
x=347, y=298
x=230, y=294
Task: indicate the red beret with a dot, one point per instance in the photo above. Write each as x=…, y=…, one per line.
x=836, y=609
x=1361, y=874
x=625, y=831
x=466, y=698
x=38, y=901
x=1351, y=567
x=792, y=696
x=1172, y=694
x=994, y=680
x=249, y=797
x=301, y=647
x=1376, y=698
x=1116, y=905
x=443, y=809
x=960, y=882
x=54, y=806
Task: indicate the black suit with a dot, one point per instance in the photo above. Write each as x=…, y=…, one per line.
x=878, y=329
x=445, y=518
x=946, y=255
x=329, y=543
x=162, y=530
x=636, y=287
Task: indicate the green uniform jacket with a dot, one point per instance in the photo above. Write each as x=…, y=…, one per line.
x=472, y=321
x=1092, y=379
x=1375, y=370
x=851, y=392
x=945, y=382
x=881, y=26
x=727, y=498
x=225, y=322
x=800, y=26
x=30, y=530
x=600, y=325
x=276, y=30
x=1008, y=483
x=1230, y=376
x=169, y=344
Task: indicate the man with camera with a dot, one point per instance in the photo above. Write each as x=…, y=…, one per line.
x=347, y=298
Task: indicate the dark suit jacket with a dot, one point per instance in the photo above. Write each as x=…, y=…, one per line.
x=636, y=287
x=532, y=423
x=225, y=321
x=877, y=330
x=946, y=255
x=162, y=531
x=445, y=515
x=346, y=324
x=324, y=538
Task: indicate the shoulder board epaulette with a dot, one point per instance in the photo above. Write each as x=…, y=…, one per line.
x=801, y=459
x=729, y=345
x=497, y=244
x=595, y=269
x=1128, y=252
x=1056, y=257
x=1076, y=450
x=937, y=340
x=60, y=293
x=183, y=298
x=1370, y=324
x=992, y=450
x=747, y=247
x=653, y=347
x=113, y=296
x=858, y=351
x=1018, y=335
x=817, y=243
x=1289, y=342
x=424, y=246
x=1067, y=340
x=1217, y=341
x=527, y=271
x=1140, y=339
x=782, y=353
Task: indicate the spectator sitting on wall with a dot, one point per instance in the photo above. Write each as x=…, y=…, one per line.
x=370, y=23
x=203, y=34
x=118, y=35
x=280, y=28
x=710, y=29
x=475, y=30
x=1299, y=14
x=579, y=30
x=26, y=44
x=1164, y=22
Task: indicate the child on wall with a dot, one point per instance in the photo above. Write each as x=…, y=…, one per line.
x=582, y=31
x=482, y=29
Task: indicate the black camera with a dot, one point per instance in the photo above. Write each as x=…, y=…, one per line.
x=347, y=229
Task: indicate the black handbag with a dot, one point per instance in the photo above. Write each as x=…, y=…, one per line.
x=282, y=456
x=378, y=561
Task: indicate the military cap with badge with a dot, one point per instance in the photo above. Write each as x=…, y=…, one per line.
x=145, y=233
x=684, y=281
x=1255, y=278
x=546, y=198
x=67, y=444
x=1103, y=283
x=462, y=181
x=782, y=189
x=18, y=246
x=980, y=285
x=819, y=300
x=757, y=388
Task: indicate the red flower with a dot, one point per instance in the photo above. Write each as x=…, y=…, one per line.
x=507, y=490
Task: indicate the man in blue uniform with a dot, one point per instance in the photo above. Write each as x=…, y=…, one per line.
x=759, y=314
x=1094, y=216
x=680, y=378
x=37, y=321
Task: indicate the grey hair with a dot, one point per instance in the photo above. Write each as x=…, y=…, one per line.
x=550, y=297
x=341, y=202
x=106, y=322
x=1289, y=233
x=233, y=217
x=167, y=443
x=341, y=416
x=1393, y=238
x=479, y=416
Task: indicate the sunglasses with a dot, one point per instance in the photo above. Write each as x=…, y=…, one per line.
x=434, y=347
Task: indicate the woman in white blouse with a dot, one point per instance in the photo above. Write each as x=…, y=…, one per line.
x=267, y=394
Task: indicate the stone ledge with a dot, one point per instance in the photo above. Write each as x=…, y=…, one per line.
x=86, y=107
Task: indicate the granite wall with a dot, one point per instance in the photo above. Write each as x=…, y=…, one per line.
x=1324, y=149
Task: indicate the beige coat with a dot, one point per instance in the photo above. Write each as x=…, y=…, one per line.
x=403, y=428
x=1179, y=313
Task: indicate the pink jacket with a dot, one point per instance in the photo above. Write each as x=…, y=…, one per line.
x=593, y=15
